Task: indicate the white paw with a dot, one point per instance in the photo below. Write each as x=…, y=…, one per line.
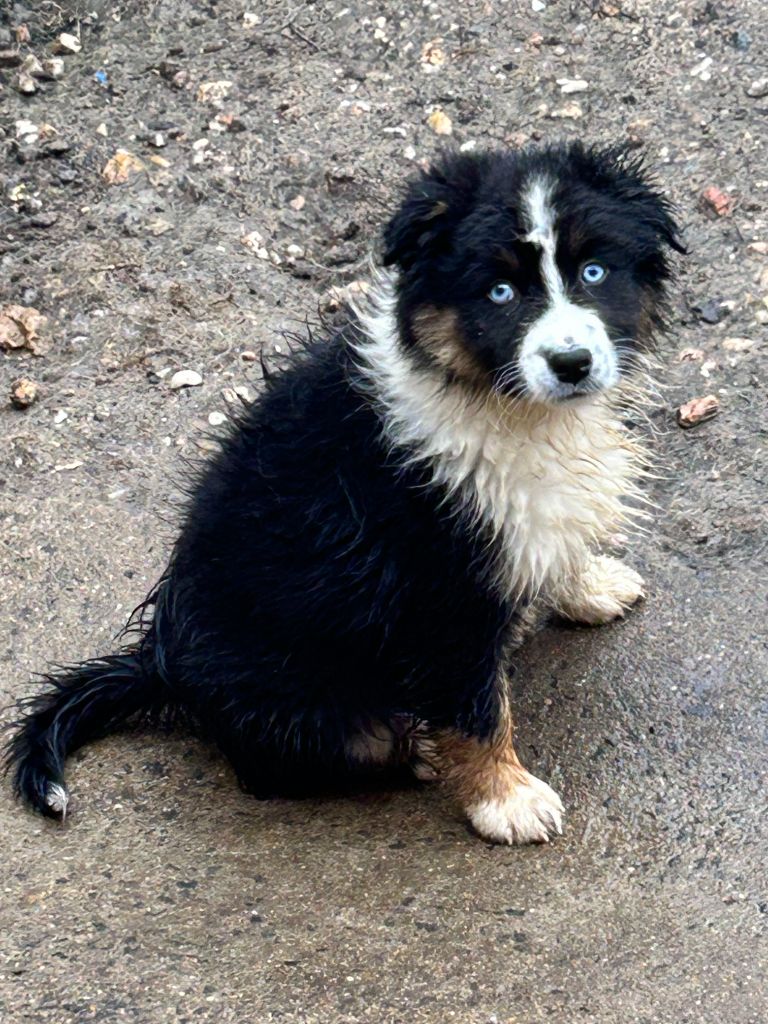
x=57, y=798
x=531, y=813
x=607, y=588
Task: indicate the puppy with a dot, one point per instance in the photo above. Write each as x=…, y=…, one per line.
x=358, y=562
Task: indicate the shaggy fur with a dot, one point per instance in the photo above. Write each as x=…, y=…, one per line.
x=358, y=562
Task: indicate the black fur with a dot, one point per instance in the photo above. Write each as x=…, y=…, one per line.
x=321, y=583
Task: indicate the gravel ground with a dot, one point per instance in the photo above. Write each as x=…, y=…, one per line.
x=169, y=896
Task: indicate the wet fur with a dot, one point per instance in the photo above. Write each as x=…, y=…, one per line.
x=358, y=561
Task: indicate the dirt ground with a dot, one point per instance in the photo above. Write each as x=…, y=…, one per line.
x=171, y=897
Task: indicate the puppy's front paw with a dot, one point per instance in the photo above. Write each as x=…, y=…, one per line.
x=531, y=812
x=603, y=592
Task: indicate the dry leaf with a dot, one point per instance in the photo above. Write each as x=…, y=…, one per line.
x=19, y=328
x=440, y=123
x=121, y=166
x=697, y=411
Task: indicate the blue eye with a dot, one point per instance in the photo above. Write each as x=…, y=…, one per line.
x=593, y=273
x=502, y=293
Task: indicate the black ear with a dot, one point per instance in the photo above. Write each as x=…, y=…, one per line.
x=433, y=206
x=661, y=217
x=637, y=185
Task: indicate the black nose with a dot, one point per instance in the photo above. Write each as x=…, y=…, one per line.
x=572, y=366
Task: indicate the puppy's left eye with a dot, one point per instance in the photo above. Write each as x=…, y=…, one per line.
x=593, y=273
x=502, y=293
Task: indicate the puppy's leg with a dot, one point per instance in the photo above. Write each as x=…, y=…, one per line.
x=601, y=592
x=504, y=802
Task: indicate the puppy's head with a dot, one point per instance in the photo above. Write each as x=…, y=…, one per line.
x=533, y=273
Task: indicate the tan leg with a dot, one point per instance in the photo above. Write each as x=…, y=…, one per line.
x=603, y=591
x=504, y=802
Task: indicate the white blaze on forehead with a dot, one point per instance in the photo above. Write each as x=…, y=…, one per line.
x=540, y=215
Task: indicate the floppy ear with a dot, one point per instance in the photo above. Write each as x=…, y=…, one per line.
x=433, y=206
x=639, y=187
x=661, y=217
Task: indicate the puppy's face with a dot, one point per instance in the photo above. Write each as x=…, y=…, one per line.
x=536, y=273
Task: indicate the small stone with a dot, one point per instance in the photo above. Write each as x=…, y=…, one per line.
x=741, y=40
x=216, y=419
x=60, y=415
x=297, y=203
x=569, y=112
x=32, y=66
x=697, y=411
x=52, y=67
x=538, y=6
x=25, y=83
x=738, y=344
x=10, y=58
x=213, y=92
x=66, y=43
x=120, y=167
x=761, y=248
x=295, y=251
x=570, y=85
x=758, y=88
x=27, y=132
x=440, y=123
x=716, y=201
x=712, y=311
x=251, y=20
x=248, y=356
x=185, y=379
x=23, y=393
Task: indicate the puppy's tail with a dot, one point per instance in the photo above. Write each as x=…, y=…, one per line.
x=78, y=704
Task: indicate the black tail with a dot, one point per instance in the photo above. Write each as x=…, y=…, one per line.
x=78, y=704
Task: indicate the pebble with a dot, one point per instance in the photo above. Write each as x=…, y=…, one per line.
x=440, y=123
x=66, y=43
x=758, y=88
x=52, y=67
x=297, y=203
x=569, y=85
x=24, y=392
x=568, y=111
x=248, y=356
x=713, y=310
x=738, y=344
x=25, y=83
x=60, y=416
x=697, y=411
x=216, y=419
x=717, y=201
x=185, y=379
x=741, y=40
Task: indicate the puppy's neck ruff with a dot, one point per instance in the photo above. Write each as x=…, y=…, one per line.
x=549, y=481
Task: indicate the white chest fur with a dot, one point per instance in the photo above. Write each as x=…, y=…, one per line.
x=549, y=481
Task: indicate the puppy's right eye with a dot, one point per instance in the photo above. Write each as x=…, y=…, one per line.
x=502, y=293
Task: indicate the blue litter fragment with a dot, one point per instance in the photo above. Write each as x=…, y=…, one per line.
x=102, y=77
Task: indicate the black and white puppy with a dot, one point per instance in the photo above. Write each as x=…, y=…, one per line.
x=358, y=562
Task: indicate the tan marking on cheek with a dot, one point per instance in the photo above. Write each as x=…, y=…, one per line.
x=439, y=334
